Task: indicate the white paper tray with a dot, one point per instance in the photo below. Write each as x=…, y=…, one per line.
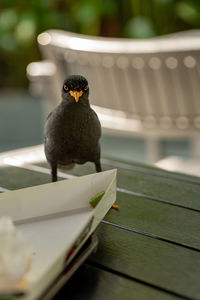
x=54, y=218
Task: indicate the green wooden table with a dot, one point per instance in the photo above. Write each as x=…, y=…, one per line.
x=149, y=249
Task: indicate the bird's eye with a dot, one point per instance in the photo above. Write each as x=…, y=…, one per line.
x=65, y=87
x=86, y=87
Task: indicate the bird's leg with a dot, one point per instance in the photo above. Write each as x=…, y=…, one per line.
x=98, y=166
x=54, y=172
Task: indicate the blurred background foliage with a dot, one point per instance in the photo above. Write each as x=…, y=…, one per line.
x=22, y=20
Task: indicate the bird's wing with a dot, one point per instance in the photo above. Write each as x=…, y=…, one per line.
x=94, y=125
x=96, y=116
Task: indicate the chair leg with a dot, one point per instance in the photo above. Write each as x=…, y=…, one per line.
x=153, y=150
x=195, y=146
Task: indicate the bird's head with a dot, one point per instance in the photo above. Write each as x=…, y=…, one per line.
x=75, y=88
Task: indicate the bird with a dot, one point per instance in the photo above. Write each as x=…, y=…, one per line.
x=72, y=129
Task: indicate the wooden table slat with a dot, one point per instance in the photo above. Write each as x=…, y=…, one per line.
x=14, y=178
x=159, y=219
x=108, y=286
x=167, y=266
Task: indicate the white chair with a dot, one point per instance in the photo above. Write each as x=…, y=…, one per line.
x=148, y=88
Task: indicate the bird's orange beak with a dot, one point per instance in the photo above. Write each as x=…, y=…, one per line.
x=76, y=94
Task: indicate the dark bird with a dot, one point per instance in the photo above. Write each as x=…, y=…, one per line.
x=72, y=129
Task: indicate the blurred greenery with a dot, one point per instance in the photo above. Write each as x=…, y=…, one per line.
x=21, y=21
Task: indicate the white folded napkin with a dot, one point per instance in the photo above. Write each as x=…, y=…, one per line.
x=15, y=256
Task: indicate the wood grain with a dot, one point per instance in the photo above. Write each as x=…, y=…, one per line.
x=155, y=262
x=14, y=178
x=166, y=221
x=91, y=283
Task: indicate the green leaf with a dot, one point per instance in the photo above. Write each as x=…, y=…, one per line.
x=95, y=200
x=8, y=19
x=187, y=12
x=139, y=27
x=25, y=30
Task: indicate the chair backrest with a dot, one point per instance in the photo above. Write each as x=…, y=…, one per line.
x=155, y=82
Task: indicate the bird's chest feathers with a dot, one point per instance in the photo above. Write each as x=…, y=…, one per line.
x=76, y=125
